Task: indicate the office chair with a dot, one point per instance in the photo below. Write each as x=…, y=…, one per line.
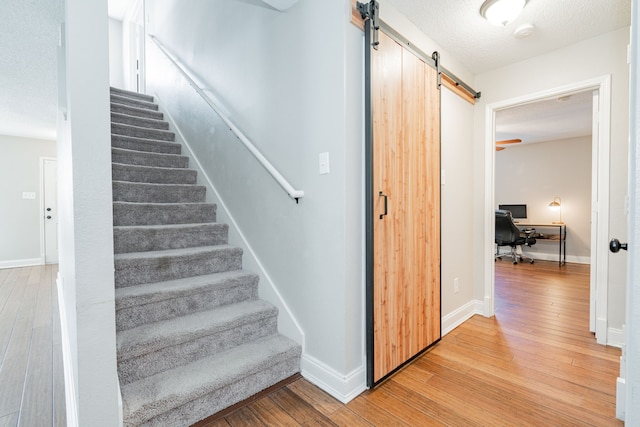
x=507, y=234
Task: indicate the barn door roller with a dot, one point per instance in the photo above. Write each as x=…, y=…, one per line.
x=371, y=11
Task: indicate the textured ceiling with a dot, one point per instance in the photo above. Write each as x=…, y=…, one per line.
x=457, y=26
x=28, y=70
x=549, y=120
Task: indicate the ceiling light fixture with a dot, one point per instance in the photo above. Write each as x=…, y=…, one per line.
x=501, y=12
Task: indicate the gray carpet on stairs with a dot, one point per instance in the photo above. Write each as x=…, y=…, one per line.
x=193, y=337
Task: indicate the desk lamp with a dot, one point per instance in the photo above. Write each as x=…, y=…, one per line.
x=555, y=205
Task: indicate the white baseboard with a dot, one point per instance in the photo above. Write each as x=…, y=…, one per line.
x=69, y=380
x=615, y=337
x=15, y=263
x=342, y=387
x=458, y=316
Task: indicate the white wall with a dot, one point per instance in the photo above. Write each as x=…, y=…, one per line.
x=116, y=64
x=457, y=209
x=589, y=59
x=20, y=218
x=296, y=92
x=534, y=174
x=85, y=279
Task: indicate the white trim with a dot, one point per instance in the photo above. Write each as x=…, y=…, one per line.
x=292, y=328
x=16, y=263
x=43, y=250
x=460, y=315
x=615, y=337
x=603, y=85
x=69, y=380
x=342, y=387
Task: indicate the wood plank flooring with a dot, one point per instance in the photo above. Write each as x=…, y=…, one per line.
x=31, y=377
x=534, y=364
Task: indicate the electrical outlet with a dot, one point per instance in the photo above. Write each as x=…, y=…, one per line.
x=456, y=285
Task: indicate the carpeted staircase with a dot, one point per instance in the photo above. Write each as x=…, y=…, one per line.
x=193, y=338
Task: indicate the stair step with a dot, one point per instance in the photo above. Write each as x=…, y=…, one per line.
x=156, y=266
x=157, y=193
x=137, y=112
x=150, y=174
x=131, y=94
x=127, y=213
x=142, y=122
x=152, y=302
x=190, y=393
x=142, y=144
x=143, y=158
x=132, y=102
x=155, y=347
x=141, y=132
x=143, y=238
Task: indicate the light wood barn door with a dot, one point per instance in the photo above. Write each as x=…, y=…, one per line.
x=405, y=105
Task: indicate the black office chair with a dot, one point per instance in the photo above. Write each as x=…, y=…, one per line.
x=507, y=234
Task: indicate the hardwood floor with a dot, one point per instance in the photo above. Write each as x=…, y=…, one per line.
x=31, y=378
x=534, y=364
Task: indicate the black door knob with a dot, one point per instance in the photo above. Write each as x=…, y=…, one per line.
x=49, y=217
x=48, y=209
x=615, y=245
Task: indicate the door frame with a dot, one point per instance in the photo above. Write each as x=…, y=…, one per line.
x=599, y=195
x=43, y=255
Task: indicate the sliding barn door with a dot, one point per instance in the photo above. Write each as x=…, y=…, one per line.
x=404, y=288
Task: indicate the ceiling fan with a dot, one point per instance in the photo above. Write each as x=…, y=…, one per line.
x=499, y=144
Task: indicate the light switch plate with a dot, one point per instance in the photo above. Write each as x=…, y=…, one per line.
x=324, y=163
x=28, y=195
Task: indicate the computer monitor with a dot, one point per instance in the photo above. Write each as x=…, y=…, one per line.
x=517, y=211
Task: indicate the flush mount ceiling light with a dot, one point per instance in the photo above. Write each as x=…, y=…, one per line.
x=501, y=12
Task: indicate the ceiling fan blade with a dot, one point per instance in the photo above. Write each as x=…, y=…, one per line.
x=499, y=148
x=508, y=141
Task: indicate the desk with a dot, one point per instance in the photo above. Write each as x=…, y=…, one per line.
x=561, y=237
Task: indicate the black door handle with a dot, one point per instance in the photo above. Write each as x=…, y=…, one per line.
x=381, y=194
x=615, y=245
x=48, y=216
x=48, y=209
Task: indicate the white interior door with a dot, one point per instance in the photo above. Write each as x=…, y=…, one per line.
x=50, y=209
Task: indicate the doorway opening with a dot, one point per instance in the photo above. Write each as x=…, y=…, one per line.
x=599, y=214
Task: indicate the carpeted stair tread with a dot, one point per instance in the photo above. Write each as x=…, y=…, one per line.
x=142, y=132
x=152, y=302
x=137, y=112
x=132, y=102
x=155, y=347
x=130, y=213
x=212, y=383
x=142, y=122
x=152, y=174
x=124, y=191
x=170, y=289
x=154, y=336
x=146, y=145
x=131, y=94
x=142, y=238
x=143, y=158
x=156, y=266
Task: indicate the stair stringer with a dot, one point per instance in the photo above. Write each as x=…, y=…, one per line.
x=287, y=323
